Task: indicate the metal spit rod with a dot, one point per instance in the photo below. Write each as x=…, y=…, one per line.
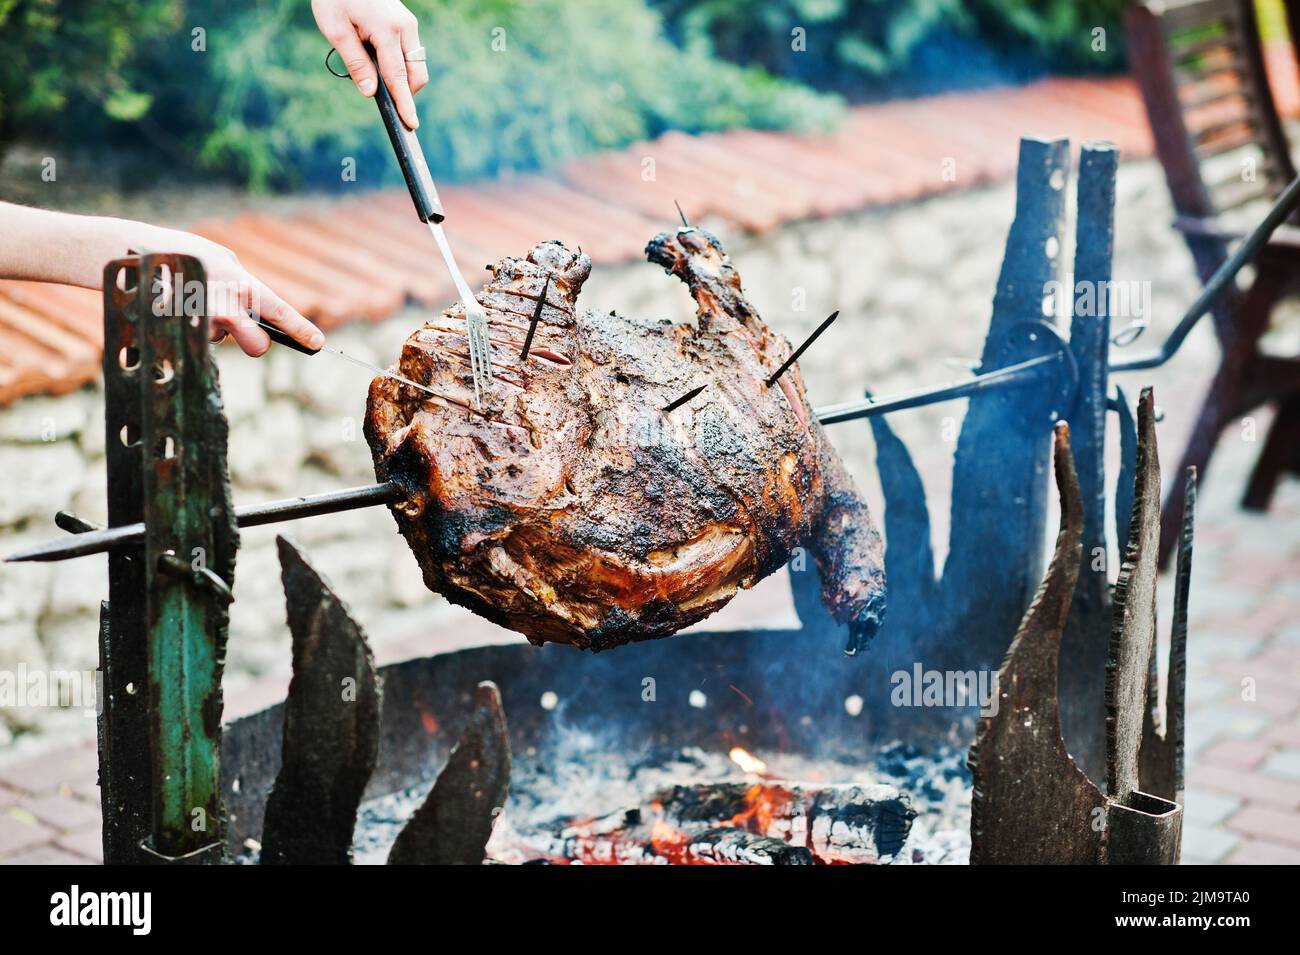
x=1222, y=277
x=253, y=515
x=87, y=540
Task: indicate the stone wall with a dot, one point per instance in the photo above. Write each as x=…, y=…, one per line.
x=914, y=286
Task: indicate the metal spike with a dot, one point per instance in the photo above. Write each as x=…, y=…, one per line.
x=537, y=317
x=1030, y=803
x=1162, y=734
x=454, y=824
x=684, y=398
x=1133, y=624
x=802, y=348
x=331, y=725
x=1176, y=686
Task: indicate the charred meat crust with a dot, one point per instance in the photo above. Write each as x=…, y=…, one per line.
x=573, y=508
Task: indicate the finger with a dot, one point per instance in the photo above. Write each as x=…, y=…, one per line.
x=417, y=70
x=392, y=64
x=247, y=334
x=274, y=310
x=355, y=58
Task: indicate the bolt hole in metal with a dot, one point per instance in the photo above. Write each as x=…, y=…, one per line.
x=130, y=436
x=129, y=358
x=166, y=448
x=163, y=372
x=127, y=279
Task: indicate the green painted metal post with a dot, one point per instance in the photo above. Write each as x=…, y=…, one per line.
x=190, y=543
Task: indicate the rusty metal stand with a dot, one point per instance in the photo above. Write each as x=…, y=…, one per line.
x=1083, y=647
x=982, y=523
x=163, y=629
x=1031, y=804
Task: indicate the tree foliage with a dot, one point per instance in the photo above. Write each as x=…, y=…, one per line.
x=514, y=84
x=879, y=47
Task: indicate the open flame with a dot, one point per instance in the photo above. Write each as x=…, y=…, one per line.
x=747, y=761
x=667, y=842
x=763, y=808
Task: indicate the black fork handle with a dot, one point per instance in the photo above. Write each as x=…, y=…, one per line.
x=409, y=154
x=281, y=337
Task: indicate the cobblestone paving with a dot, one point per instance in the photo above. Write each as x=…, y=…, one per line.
x=915, y=283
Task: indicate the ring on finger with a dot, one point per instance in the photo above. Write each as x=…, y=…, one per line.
x=417, y=55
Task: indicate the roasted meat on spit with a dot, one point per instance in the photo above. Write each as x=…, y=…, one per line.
x=573, y=507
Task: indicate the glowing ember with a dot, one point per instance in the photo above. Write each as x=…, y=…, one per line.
x=747, y=761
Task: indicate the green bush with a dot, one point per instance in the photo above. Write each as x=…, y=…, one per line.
x=67, y=64
x=258, y=105
x=878, y=47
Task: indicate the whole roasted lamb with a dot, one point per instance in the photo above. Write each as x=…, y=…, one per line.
x=573, y=507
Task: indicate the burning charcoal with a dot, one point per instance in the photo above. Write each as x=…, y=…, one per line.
x=620, y=838
x=692, y=825
x=840, y=824
x=576, y=508
x=738, y=847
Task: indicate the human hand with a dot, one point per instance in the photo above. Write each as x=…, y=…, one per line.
x=393, y=31
x=234, y=292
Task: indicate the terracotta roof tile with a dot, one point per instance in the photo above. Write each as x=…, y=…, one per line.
x=840, y=184
x=79, y=310
x=335, y=244
x=605, y=231
x=333, y=297
x=365, y=257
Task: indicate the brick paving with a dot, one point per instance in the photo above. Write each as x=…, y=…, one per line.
x=1243, y=754
x=1243, y=745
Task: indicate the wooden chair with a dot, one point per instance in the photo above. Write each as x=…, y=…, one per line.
x=1200, y=66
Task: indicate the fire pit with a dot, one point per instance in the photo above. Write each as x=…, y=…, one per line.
x=756, y=747
x=657, y=730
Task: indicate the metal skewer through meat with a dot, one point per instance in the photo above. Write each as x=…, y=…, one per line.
x=577, y=509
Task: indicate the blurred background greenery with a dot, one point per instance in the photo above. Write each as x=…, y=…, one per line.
x=238, y=88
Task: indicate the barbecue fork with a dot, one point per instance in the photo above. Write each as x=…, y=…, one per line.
x=410, y=157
